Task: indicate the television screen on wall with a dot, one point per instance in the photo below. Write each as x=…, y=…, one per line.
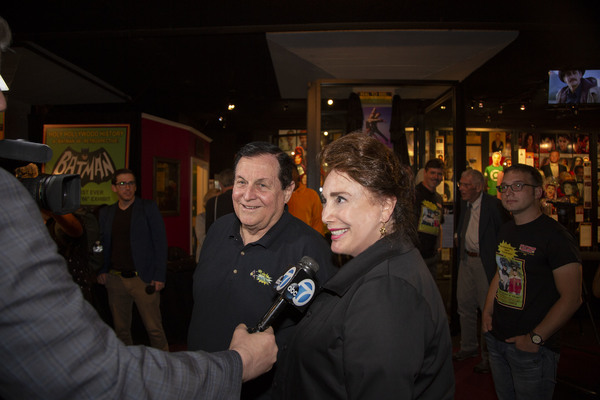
x=576, y=86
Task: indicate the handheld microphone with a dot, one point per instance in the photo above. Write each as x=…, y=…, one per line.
x=297, y=287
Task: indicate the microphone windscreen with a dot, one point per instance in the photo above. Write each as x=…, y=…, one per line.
x=310, y=263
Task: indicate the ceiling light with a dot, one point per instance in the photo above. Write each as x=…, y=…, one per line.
x=480, y=104
x=330, y=102
x=442, y=107
x=325, y=133
x=523, y=107
x=230, y=106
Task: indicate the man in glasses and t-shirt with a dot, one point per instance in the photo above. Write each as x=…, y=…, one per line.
x=541, y=266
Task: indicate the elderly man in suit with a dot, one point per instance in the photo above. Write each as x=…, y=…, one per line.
x=480, y=220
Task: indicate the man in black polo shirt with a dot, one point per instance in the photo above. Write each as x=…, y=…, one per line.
x=246, y=251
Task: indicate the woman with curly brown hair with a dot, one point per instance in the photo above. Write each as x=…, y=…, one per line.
x=378, y=329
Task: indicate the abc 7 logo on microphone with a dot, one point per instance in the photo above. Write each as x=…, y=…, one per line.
x=302, y=292
x=283, y=280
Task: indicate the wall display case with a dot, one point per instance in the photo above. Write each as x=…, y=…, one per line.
x=428, y=129
x=166, y=185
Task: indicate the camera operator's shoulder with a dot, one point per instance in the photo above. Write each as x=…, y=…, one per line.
x=10, y=184
x=4, y=175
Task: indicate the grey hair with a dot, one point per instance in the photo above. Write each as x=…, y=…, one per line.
x=476, y=176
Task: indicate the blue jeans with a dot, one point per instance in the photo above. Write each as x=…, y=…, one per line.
x=521, y=375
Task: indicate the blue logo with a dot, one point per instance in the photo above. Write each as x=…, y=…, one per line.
x=305, y=292
x=285, y=279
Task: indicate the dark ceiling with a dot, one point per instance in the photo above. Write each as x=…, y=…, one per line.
x=184, y=60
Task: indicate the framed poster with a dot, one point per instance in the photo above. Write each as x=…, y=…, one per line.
x=94, y=152
x=288, y=139
x=497, y=141
x=166, y=185
x=377, y=114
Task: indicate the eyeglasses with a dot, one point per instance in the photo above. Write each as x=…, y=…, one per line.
x=515, y=187
x=130, y=183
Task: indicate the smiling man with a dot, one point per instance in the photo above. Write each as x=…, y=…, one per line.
x=246, y=251
x=430, y=213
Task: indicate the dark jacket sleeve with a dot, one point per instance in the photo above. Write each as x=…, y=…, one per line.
x=382, y=359
x=54, y=345
x=150, y=253
x=493, y=215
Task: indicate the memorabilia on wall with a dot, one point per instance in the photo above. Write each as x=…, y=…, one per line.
x=94, y=152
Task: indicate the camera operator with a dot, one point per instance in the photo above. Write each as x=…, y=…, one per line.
x=53, y=346
x=71, y=238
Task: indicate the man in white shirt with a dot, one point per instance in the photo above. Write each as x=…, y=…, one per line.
x=480, y=220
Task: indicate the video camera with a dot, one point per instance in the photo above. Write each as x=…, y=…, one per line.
x=59, y=194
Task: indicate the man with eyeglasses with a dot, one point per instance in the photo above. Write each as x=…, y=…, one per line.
x=134, y=241
x=520, y=320
x=476, y=239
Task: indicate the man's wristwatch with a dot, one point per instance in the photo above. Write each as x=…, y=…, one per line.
x=536, y=339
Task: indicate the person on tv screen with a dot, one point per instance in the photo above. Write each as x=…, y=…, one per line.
x=578, y=89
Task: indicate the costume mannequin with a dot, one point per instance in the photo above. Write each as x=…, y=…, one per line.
x=493, y=174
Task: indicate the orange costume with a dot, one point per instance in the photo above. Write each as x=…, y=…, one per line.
x=305, y=204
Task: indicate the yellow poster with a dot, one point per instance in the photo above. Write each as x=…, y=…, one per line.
x=94, y=152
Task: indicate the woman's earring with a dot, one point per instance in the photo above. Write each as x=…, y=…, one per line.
x=382, y=230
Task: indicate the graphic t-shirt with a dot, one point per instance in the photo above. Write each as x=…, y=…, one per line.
x=491, y=176
x=430, y=216
x=526, y=257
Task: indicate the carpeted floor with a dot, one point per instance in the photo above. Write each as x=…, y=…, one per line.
x=471, y=385
x=578, y=369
